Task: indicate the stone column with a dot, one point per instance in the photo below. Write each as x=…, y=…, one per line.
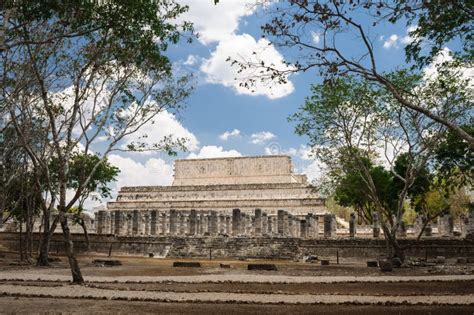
x=203, y=223
x=290, y=226
x=235, y=221
x=271, y=225
x=264, y=224
x=352, y=225
x=303, y=228
x=213, y=223
x=328, y=225
x=428, y=230
x=275, y=220
x=173, y=221
x=111, y=227
x=309, y=225
x=193, y=223
x=298, y=227
x=118, y=222
x=316, y=227
x=446, y=225
x=470, y=226
x=228, y=225
x=376, y=225
x=286, y=224
x=182, y=223
x=198, y=224
x=147, y=223
x=402, y=230
x=153, y=215
x=135, y=222
x=222, y=226
x=130, y=223
x=163, y=229
x=258, y=222
x=281, y=224
x=100, y=222
x=464, y=224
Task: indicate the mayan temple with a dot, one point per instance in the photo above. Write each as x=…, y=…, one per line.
x=212, y=193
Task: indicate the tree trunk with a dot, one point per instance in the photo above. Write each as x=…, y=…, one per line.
x=75, y=270
x=22, y=257
x=44, y=241
x=86, y=234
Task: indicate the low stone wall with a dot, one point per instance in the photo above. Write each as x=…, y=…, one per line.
x=257, y=247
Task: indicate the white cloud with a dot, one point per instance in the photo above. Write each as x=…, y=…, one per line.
x=132, y=173
x=216, y=22
x=313, y=171
x=245, y=49
x=228, y=134
x=261, y=137
x=316, y=37
x=191, y=60
x=396, y=41
x=211, y=151
x=164, y=124
x=391, y=42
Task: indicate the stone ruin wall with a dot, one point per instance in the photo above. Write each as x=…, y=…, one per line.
x=233, y=171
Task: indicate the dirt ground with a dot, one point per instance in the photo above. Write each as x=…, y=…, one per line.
x=25, y=302
x=9, y=305
x=144, y=266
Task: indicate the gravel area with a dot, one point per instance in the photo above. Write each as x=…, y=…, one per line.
x=75, y=291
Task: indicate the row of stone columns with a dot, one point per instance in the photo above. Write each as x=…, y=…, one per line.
x=210, y=223
x=283, y=224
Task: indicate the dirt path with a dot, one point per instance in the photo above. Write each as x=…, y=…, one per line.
x=37, y=274
x=25, y=305
x=74, y=291
x=377, y=289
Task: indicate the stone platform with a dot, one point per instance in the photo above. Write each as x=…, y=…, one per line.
x=224, y=184
x=205, y=195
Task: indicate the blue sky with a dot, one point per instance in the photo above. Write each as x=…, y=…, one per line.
x=222, y=119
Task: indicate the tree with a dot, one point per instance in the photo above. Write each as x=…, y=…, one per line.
x=353, y=124
x=91, y=75
x=294, y=23
x=81, y=166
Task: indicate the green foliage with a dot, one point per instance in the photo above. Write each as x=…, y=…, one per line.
x=437, y=24
x=454, y=161
x=81, y=166
x=143, y=28
x=352, y=187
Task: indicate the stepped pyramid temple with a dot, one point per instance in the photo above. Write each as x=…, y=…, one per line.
x=232, y=196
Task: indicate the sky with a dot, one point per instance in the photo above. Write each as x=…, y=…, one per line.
x=221, y=118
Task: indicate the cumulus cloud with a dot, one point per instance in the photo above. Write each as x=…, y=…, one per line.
x=229, y=134
x=391, y=41
x=212, y=151
x=191, y=60
x=163, y=125
x=245, y=48
x=313, y=171
x=261, y=137
x=396, y=41
x=218, y=22
x=154, y=171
